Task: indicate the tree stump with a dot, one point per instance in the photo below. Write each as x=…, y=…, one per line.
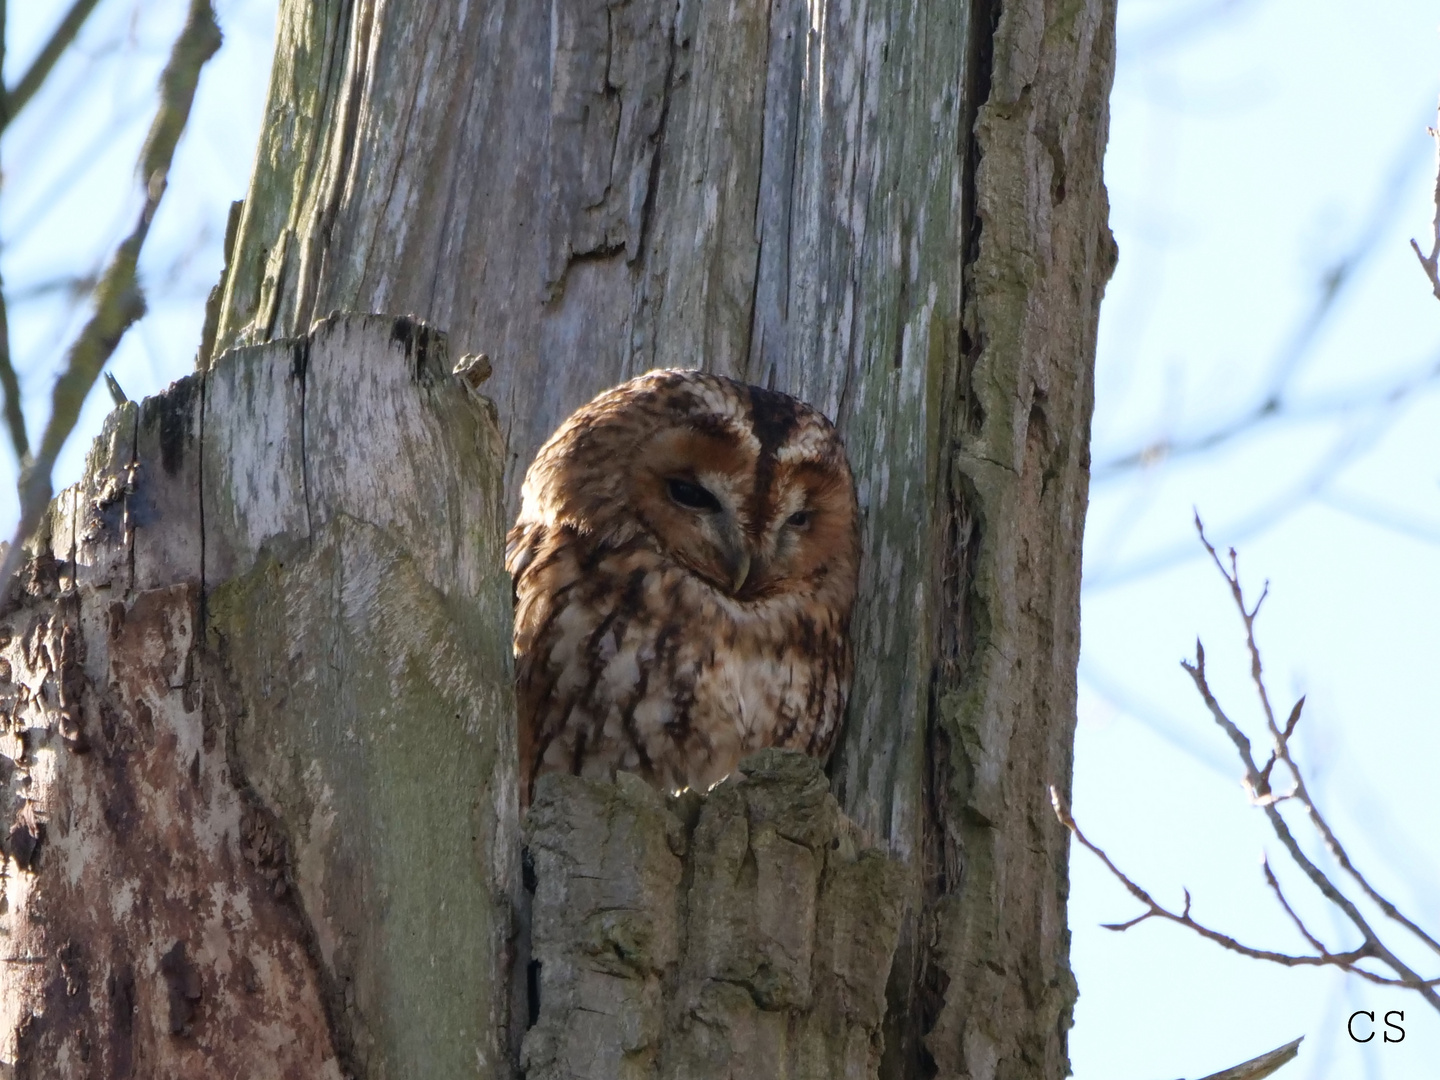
x=258, y=735
x=741, y=935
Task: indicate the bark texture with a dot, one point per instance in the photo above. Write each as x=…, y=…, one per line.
x=258, y=731
x=745, y=933
x=891, y=208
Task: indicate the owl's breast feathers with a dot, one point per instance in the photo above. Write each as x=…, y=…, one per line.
x=684, y=566
x=626, y=661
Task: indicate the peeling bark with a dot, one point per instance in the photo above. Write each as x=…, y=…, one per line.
x=257, y=725
x=890, y=208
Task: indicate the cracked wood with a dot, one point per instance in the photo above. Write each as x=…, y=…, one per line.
x=257, y=730
x=890, y=208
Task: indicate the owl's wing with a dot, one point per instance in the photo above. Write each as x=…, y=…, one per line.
x=521, y=543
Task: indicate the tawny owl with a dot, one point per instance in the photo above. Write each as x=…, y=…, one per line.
x=684, y=564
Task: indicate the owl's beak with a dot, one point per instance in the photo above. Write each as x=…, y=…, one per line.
x=739, y=571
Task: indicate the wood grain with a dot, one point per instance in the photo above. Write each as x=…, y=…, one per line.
x=257, y=726
x=890, y=208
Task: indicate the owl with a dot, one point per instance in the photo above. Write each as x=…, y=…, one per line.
x=684, y=565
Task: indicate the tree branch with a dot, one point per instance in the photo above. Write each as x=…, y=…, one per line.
x=1274, y=884
x=1276, y=400
x=1346, y=961
x=1431, y=262
x=1159, y=911
x=14, y=417
x=1281, y=750
x=1260, y=783
x=50, y=53
x=118, y=298
x=1260, y=1067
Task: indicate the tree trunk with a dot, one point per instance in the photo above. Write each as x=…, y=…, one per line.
x=259, y=730
x=892, y=209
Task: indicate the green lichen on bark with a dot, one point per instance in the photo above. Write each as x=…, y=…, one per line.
x=893, y=211
x=367, y=729
x=265, y=643
x=295, y=162
x=1005, y=707
x=361, y=616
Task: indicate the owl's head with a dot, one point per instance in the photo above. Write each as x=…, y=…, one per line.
x=747, y=488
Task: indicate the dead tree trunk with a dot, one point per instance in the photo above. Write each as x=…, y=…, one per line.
x=892, y=209
x=257, y=723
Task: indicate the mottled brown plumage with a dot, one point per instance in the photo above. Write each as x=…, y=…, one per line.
x=684, y=564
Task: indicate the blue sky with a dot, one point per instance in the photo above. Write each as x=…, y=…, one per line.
x=1256, y=146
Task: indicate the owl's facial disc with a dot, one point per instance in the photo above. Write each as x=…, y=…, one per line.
x=692, y=496
x=697, y=486
x=724, y=554
x=806, y=528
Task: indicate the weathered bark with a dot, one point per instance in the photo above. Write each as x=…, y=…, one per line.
x=258, y=731
x=745, y=933
x=891, y=208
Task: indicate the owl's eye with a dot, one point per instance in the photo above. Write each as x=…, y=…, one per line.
x=691, y=496
x=798, y=520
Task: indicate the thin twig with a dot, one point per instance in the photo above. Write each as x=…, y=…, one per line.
x=1274, y=884
x=1260, y=783
x=1403, y=984
x=1159, y=911
x=1362, y=433
x=118, y=299
x=1346, y=961
x=1276, y=401
x=1281, y=750
x=9, y=384
x=50, y=53
x=1294, y=719
x=74, y=286
x=1256, y=782
x=1339, y=854
x=1372, y=946
x=1431, y=262
x=14, y=417
x=1260, y=1067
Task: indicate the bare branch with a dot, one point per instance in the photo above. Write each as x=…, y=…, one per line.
x=1294, y=719
x=1345, y=961
x=1339, y=854
x=1403, y=984
x=118, y=300
x=14, y=418
x=1259, y=782
x=1428, y=262
x=1373, y=946
x=1260, y=1067
x=1277, y=399
x=74, y=286
x=1372, y=511
x=1431, y=262
x=50, y=53
x=1121, y=927
x=1363, y=432
x=1332, y=404
x=1281, y=752
x=1159, y=911
x=1274, y=884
